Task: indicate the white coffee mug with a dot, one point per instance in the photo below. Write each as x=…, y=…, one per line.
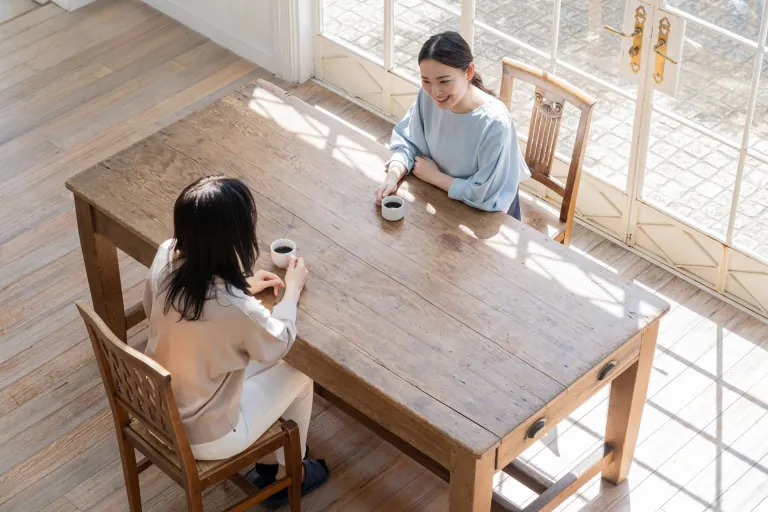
x=280, y=256
x=393, y=208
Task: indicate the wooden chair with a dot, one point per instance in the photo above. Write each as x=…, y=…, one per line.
x=147, y=419
x=550, y=98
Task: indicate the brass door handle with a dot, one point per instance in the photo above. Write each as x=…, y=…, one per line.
x=636, y=48
x=638, y=31
x=661, y=44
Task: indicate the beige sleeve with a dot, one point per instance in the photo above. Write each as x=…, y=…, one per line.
x=271, y=335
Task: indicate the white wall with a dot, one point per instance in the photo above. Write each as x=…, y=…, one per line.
x=247, y=27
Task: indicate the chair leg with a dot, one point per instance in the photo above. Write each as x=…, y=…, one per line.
x=294, y=466
x=130, y=473
x=194, y=501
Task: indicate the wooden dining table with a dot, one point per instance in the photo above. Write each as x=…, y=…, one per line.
x=459, y=336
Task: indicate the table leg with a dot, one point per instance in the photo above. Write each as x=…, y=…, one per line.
x=102, y=269
x=472, y=482
x=625, y=408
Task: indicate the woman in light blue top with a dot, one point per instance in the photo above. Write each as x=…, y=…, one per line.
x=457, y=136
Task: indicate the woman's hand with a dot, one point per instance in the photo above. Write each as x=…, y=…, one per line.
x=395, y=171
x=385, y=189
x=296, y=277
x=426, y=170
x=261, y=280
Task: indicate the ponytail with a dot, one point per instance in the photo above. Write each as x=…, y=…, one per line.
x=477, y=81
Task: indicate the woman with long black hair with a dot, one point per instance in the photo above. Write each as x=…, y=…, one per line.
x=223, y=348
x=457, y=136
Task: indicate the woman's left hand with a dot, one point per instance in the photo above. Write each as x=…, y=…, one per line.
x=426, y=170
x=261, y=280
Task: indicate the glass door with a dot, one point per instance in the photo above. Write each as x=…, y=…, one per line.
x=698, y=200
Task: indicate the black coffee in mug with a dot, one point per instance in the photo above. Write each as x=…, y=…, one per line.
x=283, y=249
x=392, y=204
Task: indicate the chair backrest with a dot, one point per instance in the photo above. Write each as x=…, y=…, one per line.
x=551, y=95
x=138, y=387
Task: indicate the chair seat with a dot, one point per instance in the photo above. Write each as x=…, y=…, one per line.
x=541, y=216
x=204, y=467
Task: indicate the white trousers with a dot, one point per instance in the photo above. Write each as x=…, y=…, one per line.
x=279, y=391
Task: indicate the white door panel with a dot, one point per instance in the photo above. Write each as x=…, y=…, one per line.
x=677, y=245
x=747, y=281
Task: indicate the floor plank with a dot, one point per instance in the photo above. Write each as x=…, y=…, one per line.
x=61, y=505
x=46, y=490
x=10, y=9
x=20, y=24
x=53, y=456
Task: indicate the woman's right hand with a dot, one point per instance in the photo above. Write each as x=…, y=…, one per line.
x=394, y=173
x=386, y=189
x=296, y=276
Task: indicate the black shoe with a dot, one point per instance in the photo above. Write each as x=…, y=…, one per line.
x=262, y=475
x=316, y=473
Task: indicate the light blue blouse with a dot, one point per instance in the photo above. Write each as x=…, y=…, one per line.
x=479, y=149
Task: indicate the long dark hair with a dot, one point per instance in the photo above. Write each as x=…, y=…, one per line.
x=214, y=224
x=451, y=49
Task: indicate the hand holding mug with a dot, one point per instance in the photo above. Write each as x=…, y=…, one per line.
x=394, y=173
x=296, y=276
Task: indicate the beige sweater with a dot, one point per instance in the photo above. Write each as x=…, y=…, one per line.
x=207, y=358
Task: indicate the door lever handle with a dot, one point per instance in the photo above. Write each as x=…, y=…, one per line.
x=656, y=48
x=638, y=31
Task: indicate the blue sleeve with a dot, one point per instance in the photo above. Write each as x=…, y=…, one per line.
x=408, y=140
x=482, y=189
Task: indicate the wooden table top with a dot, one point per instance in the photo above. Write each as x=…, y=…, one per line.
x=469, y=320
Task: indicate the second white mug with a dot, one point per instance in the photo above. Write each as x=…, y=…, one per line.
x=282, y=250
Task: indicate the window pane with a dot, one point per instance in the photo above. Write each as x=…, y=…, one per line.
x=741, y=17
x=415, y=22
x=715, y=80
x=690, y=175
x=529, y=21
x=490, y=49
x=758, y=136
x=751, y=223
x=358, y=23
x=585, y=44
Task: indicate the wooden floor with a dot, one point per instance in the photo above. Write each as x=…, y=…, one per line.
x=10, y=9
x=77, y=87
